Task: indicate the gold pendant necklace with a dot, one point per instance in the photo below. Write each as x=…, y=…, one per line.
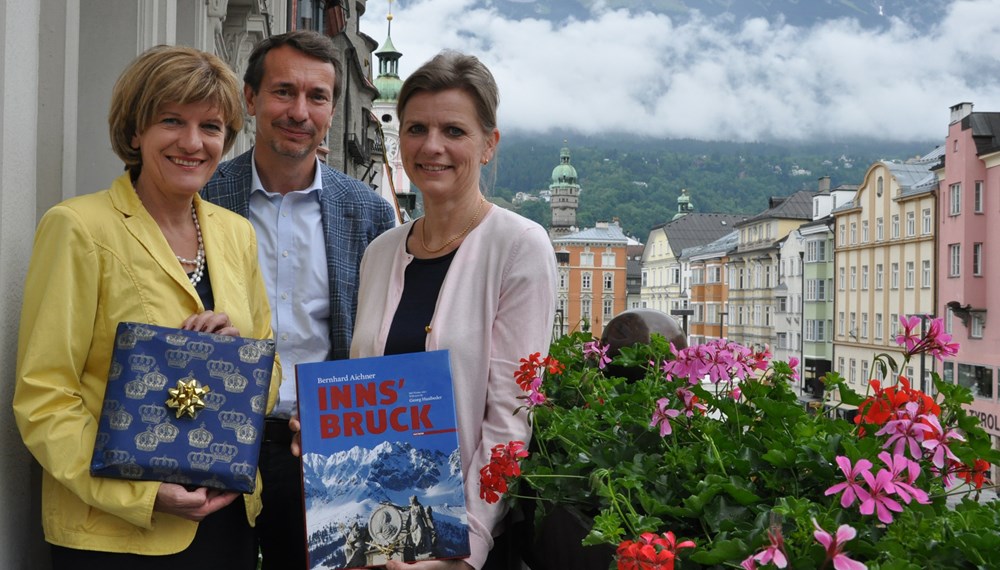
x=423, y=230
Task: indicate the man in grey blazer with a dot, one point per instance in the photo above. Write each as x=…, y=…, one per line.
x=313, y=224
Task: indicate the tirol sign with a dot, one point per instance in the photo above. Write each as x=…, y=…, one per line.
x=988, y=419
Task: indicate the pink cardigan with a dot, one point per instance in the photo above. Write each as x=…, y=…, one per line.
x=496, y=306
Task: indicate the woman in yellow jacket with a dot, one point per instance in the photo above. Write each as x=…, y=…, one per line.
x=147, y=249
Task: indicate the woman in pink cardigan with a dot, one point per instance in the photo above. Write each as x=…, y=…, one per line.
x=467, y=276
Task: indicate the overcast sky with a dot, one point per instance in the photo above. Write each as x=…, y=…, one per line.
x=644, y=73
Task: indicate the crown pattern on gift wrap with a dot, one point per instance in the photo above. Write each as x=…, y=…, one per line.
x=152, y=413
x=246, y=434
x=102, y=439
x=200, y=350
x=136, y=389
x=126, y=340
x=243, y=470
x=235, y=383
x=156, y=380
x=166, y=431
x=200, y=460
x=176, y=339
x=258, y=404
x=220, y=368
x=131, y=471
x=141, y=363
x=250, y=353
x=232, y=419
x=178, y=358
x=164, y=464
x=214, y=401
x=200, y=437
x=115, y=372
x=223, y=452
x=146, y=441
x=117, y=456
x=261, y=377
x=143, y=333
x=120, y=420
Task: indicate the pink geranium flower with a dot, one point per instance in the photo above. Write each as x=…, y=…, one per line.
x=596, y=349
x=879, y=501
x=851, y=488
x=834, y=545
x=904, y=473
x=662, y=415
x=937, y=443
x=907, y=431
x=775, y=552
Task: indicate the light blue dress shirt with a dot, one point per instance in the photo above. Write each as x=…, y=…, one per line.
x=292, y=253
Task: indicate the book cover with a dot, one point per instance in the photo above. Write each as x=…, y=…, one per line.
x=381, y=469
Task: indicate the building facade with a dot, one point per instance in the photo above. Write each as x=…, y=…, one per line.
x=591, y=283
x=884, y=267
x=755, y=265
x=564, y=197
x=709, y=290
x=968, y=226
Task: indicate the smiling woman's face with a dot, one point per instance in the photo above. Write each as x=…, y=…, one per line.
x=443, y=144
x=181, y=148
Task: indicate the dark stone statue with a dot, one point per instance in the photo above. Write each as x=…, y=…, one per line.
x=635, y=326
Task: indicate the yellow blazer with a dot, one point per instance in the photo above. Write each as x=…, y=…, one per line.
x=100, y=259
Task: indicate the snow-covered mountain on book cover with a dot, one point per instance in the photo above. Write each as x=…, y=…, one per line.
x=381, y=470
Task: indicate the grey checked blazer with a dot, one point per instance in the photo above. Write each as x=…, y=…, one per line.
x=353, y=215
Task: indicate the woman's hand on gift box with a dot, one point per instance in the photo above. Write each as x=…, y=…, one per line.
x=210, y=321
x=192, y=505
x=296, y=427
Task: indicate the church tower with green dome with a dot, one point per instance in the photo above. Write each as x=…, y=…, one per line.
x=393, y=182
x=565, y=196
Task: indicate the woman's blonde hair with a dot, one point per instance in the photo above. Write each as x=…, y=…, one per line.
x=170, y=74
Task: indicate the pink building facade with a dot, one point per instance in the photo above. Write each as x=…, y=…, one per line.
x=968, y=282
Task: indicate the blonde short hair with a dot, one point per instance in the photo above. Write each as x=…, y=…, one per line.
x=170, y=74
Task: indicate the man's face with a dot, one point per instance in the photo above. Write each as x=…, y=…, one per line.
x=294, y=106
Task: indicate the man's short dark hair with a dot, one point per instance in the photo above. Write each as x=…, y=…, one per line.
x=312, y=44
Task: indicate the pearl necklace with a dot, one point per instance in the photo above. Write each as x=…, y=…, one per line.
x=423, y=229
x=199, y=261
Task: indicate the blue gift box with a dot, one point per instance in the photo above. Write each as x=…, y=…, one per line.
x=183, y=407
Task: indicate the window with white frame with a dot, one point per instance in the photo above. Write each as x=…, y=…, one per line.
x=910, y=277
x=864, y=277
x=955, y=260
x=854, y=278
x=842, y=272
x=608, y=259
x=864, y=371
x=977, y=197
x=911, y=224
x=840, y=366
x=609, y=281
x=864, y=325
x=878, y=276
x=894, y=276
x=563, y=275
x=767, y=315
x=894, y=230
x=714, y=274
x=586, y=311
x=925, y=273
x=782, y=340
x=585, y=280
x=853, y=330
x=840, y=323
x=853, y=372
x=977, y=259
x=976, y=327
x=864, y=231
x=609, y=307
x=645, y=279
x=782, y=303
x=925, y=218
x=879, y=230
x=816, y=251
x=854, y=233
x=955, y=199
x=948, y=314
x=893, y=325
x=878, y=186
x=842, y=236
x=587, y=259
x=878, y=326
